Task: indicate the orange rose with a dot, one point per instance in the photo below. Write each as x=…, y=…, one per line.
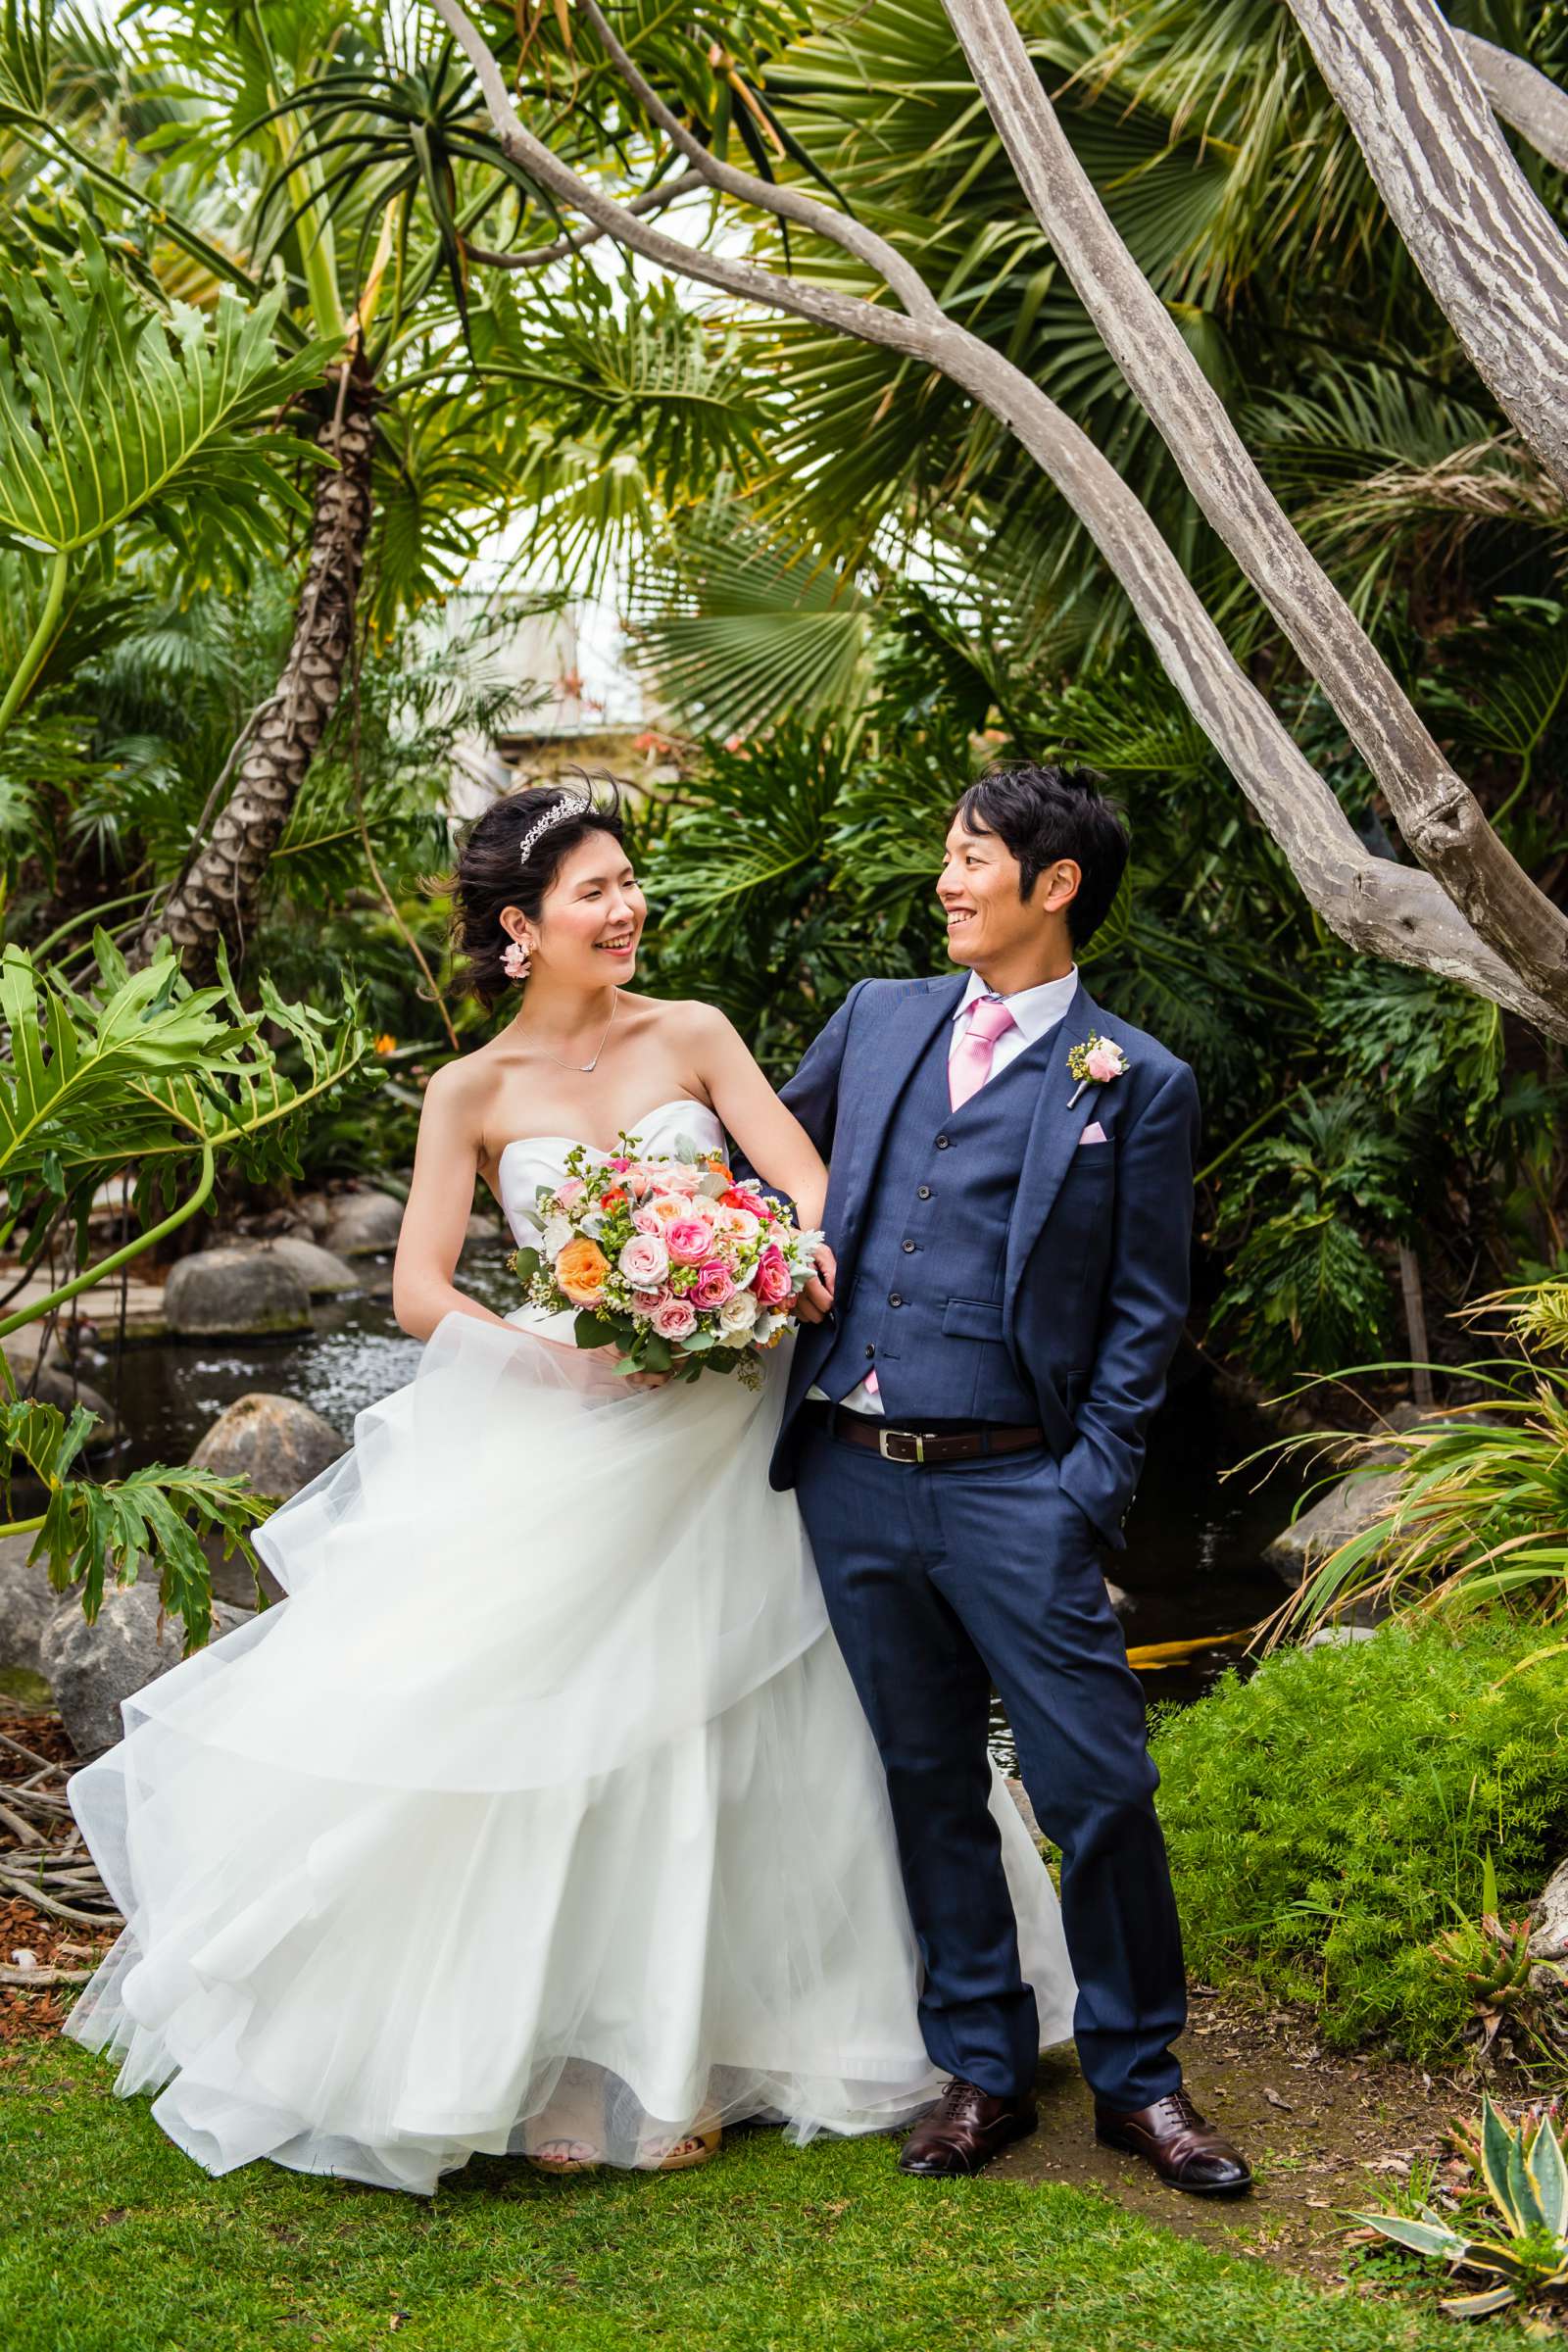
x=580, y=1270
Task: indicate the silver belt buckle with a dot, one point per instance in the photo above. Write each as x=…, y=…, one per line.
x=882, y=1437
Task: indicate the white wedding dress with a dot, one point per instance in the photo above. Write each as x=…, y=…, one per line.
x=545, y=1793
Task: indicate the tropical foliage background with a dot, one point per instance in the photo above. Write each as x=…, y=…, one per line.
x=846, y=586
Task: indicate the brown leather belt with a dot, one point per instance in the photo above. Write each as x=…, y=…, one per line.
x=927, y=1446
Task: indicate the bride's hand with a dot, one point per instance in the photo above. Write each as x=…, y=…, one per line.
x=816, y=1302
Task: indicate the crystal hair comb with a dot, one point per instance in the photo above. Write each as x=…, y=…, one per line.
x=569, y=805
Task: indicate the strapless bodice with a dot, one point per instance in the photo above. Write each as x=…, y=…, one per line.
x=670, y=1131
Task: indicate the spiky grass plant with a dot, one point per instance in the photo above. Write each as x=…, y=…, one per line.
x=1480, y=1508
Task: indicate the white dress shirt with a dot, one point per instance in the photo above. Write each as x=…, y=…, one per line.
x=1033, y=1012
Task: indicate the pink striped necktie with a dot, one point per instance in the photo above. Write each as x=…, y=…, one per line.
x=969, y=1066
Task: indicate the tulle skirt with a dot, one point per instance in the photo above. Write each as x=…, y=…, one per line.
x=542, y=1806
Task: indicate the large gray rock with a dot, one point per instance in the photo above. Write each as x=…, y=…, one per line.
x=1550, y=1918
x=92, y=1668
x=1346, y=1511
x=53, y=1381
x=27, y=1602
x=278, y=1443
x=362, y=1223
x=1343, y=1511
x=234, y=1293
x=323, y=1273
x=315, y=1211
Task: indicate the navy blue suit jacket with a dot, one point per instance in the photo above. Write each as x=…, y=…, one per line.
x=1098, y=1246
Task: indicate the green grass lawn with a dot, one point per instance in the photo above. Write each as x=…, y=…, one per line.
x=112, y=2241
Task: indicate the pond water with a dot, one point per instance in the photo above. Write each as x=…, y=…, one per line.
x=1192, y=1566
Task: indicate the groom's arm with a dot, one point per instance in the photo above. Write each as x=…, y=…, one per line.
x=1145, y=1307
x=812, y=1093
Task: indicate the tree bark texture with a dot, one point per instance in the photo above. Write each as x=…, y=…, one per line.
x=1521, y=96
x=1438, y=815
x=219, y=895
x=1374, y=904
x=1475, y=228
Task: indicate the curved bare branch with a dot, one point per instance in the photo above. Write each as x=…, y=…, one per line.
x=538, y=257
x=1475, y=228
x=789, y=204
x=1437, y=812
x=1375, y=905
x=1520, y=93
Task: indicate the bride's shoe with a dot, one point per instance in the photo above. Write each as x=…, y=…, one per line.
x=680, y=2155
x=577, y=2111
x=564, y=2156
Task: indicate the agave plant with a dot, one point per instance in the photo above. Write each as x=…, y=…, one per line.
x=1514, y=1985
x=1524, y=2249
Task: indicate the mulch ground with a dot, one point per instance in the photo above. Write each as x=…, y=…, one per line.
x=1328, y=2135
x=53, y=1943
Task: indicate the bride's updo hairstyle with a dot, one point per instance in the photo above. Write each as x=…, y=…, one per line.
x=491, y=872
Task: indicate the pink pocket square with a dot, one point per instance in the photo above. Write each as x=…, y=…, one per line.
x=1093, y=1133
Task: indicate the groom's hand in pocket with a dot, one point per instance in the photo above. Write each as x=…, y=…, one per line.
x=816, y=1300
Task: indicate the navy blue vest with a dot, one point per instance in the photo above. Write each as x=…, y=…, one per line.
x=925, y=1312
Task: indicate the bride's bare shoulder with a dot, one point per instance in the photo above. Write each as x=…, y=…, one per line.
x=459, y=1094
x=681, y=1020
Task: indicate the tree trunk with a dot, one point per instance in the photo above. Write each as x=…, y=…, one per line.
x=1415, y=1324
x=1438, y=815
x=219, y=895
x=1475, y=228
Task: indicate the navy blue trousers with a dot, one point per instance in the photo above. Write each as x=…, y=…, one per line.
x=941, y=1582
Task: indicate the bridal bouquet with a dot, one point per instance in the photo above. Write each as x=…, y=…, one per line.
x=672, y=1260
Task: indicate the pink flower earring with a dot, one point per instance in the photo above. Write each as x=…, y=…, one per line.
x=516, y=961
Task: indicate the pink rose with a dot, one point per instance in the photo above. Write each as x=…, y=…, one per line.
x=645, y=1261
x=713, y=1285
x=645, y=1305
x=619, y=1164
x=647, y=1220
x=675, y=1318
x=572, y=1190
x=689, y=1240
x=677, y=1177
x=771, y=1281
x=1103, y=1066
x=639, y=1183
x=667, y=1207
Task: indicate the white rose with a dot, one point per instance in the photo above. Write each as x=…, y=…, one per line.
x=556, y=1234
x=737, y=1314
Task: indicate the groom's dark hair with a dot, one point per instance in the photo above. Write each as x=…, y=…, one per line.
x=1042, y=813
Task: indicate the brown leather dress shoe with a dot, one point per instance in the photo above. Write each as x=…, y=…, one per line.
x=1183, y=2149
x=963, y=2131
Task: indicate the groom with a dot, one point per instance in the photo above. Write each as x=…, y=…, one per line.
x=1010, y=1210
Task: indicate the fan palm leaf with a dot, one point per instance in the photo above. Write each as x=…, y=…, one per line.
x=737, y=627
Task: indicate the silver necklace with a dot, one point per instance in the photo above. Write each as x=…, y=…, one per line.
x=593, y=1064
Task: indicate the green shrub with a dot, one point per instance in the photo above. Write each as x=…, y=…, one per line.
x=1331, y=1815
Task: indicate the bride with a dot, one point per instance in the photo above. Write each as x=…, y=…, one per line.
x=541, y=1816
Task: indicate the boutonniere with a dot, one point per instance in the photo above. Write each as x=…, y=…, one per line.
x=1095, y=1063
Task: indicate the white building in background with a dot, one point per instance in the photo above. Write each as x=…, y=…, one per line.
x=593, y=708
